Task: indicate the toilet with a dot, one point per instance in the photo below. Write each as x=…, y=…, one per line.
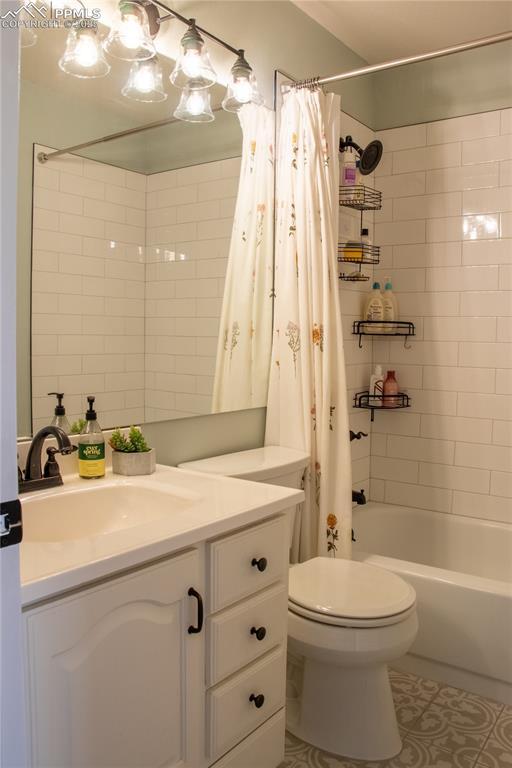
x=347, y=621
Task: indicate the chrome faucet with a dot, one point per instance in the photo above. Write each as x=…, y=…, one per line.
x=36, y=478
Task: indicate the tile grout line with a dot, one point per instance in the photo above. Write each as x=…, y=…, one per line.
x=491, y=731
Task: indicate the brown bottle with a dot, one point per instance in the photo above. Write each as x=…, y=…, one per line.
x=390, y=391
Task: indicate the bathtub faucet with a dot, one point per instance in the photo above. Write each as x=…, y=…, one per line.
x=358, y=497
x=357, y=435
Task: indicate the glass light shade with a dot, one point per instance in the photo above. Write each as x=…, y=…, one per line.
x=242, y=87
x=28, y=37
x=84, y=56
x=145, y=82
x=193, y=63
x=129, y=38
x=194, y=106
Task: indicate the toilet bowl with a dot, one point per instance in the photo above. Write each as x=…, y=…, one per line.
x=346, y=621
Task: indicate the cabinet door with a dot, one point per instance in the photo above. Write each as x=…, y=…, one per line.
x=115, y=679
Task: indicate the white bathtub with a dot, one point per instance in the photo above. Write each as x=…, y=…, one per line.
x=461, y=569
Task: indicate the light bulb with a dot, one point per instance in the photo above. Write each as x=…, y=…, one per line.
x=195, y=103
x=86, y=51
x=192, y=63
x=242, y=86
x=242, y=90
x=130, y=37
x=130, y=32
x=144, y=80
x=83, y=56
x=194, y=106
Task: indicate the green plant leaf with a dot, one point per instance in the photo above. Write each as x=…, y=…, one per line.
x=77, y=426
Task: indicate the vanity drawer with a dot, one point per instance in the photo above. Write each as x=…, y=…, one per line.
x=248, y=561
x=231, y=643
x=232, y=713
x=264, y=747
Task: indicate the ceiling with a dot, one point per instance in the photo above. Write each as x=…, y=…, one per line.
x=379, y=30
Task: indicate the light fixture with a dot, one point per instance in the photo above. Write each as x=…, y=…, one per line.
x=193, y=63
x=194, y=106
x=145, y=82
x=130, y=38
x=242, y=87
x=28, y=37
x=83, y=56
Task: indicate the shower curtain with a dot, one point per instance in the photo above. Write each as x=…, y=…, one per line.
x=307, y=403
x=245, y=335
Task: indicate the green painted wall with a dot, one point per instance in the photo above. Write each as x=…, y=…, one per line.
x=460, y=84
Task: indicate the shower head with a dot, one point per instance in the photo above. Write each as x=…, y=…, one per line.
x=369, y=157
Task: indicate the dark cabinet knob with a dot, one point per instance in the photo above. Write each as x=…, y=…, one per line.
x=260, y=632
x=260, y=564
x=258, y=700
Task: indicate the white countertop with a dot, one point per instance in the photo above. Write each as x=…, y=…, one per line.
x=214, y=506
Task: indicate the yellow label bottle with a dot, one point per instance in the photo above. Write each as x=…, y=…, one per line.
x=91, y=446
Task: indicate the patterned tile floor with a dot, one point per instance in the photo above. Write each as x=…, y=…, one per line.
x=441, y=727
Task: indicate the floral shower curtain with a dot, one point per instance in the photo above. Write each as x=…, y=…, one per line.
x=245, y=335
x=307, y=404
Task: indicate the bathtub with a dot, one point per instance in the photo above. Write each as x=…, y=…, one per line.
x=461, y=569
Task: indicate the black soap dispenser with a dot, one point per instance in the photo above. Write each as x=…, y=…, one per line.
x=60, y=419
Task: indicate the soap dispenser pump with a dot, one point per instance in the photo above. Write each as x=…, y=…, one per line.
x=91, y=445
x=60, y=419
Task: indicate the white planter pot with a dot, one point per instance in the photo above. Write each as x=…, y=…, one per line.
x=133, y=463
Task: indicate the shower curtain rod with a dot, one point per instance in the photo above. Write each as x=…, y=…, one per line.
x=43, y=157
x=371, y=68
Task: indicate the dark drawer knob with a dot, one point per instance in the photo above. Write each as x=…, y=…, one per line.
x=260, y=632
x=258, y=700
x=260, y=564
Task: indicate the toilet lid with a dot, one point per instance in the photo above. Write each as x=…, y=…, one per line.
x=348, y=589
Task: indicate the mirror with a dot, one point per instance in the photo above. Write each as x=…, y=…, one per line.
x=124, y=271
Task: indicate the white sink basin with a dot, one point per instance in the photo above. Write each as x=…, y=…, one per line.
x=96, y=511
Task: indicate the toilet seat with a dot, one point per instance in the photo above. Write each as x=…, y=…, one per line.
x=348, y=593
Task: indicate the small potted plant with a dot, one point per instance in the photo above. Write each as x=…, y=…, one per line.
x=131, y=455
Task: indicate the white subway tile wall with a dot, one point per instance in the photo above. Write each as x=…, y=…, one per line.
x=189, y=221
x=88, y=251
x=447, y=188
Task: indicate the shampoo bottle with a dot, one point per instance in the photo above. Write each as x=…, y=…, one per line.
x=349, y=168
x=390, y=296
x=388, y=311
x=390, y=390
x=374, y=309
x=60, y=419
x=376, y=387
x=91, y=446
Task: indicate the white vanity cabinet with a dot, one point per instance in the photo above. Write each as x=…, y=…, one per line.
x=114, y=678
x=246, y=646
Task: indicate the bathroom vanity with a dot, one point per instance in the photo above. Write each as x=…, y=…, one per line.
x=158, y=624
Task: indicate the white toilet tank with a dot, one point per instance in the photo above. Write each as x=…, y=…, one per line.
x=271, y=464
